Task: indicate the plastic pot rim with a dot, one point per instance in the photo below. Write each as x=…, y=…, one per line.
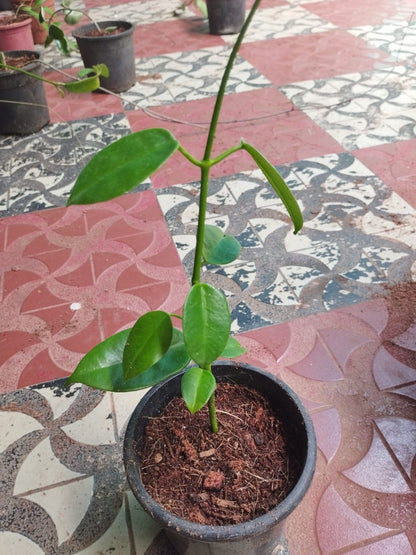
x=234, y=532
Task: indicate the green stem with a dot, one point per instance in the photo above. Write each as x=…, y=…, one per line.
x=210, y=141
x=213, y=414
x=203, y=195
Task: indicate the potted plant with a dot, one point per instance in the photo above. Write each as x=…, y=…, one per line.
x=23, y=102
x=225, y=18
x=32, y=8
x=16, y=31
x=104, y=42
x=156, y=353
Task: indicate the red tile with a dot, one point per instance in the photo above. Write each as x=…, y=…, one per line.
x=338, y=525
x=354, y=13
x=40, y=297
x=263, y=118
x=180, y=35
x=40, y=368
x=389, y=372
x=313, y=56
x=397, y=544
x=75, y=106
x=328, y=429
x=395, y=164
x=81, y=276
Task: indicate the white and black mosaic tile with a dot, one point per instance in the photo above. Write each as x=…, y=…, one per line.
x=37, y=171
x=338, y=258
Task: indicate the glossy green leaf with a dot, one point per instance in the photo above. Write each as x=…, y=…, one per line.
x=206, y=323
x=219, y=248
x=88, y=82
x=102, y=367
x=279, y=185
x=149, y=340
x=123, y=165
x=197, y=386
x=233, y=349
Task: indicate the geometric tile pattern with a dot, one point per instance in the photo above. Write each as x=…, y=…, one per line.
x=326, y=89
x=347, y=250
x=76, y=492
x=72, y=277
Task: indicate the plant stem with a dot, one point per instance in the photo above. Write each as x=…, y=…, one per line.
x=205, y=169
x=213, y=414
x=205, y=172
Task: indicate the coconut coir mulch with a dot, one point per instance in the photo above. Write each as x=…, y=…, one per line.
x=218, y=479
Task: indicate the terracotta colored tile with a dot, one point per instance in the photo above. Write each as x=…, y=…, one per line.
x=40, y=368
x=74, y=106
x=328, y=429
x=395, y=164
x=263, y=118
x=395, y=544
x=172, y=36
x=372, y=12
x=331, y=512
x=314, y=56
x=389, y=372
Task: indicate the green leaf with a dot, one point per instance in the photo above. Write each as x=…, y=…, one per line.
x=206, y=323
x=278, y=184
x=149, y=340
x=233, y=349
x=73, y=17
x=123, y=165
x=197, y=386
x=202, y=7
x=219, y=248
x=102, y=367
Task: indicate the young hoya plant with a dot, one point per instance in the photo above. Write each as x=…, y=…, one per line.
x=155, y=348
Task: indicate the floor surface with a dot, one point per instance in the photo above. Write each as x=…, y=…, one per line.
x=327, y=91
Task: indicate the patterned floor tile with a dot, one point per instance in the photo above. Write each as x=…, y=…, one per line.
x=263, y=117
x=361, y=110
x=185, y=76
x=395, y=36
x=394, y=164
x=312, y=56
x=340, y=257
x=37, y=171
x=84, y=273
x=283, y=21
x=324, y=78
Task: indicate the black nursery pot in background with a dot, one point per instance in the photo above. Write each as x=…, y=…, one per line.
x=260, y=536
x=24, y=107
x=115, y=50
x=225, y=18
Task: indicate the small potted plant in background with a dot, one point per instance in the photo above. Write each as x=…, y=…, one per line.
x=224, y=18
x=24, y=107
x=32, y=8
x=16, y=30
x=157, y=351
x=100, y=42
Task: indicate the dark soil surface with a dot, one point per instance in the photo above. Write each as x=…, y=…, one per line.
x=20, y=61
x=9, y=19
x=218, y=479
x=103, y=32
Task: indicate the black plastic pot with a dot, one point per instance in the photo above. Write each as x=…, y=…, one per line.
x=116, y=51
x=225, y=17
x=261, y=536
x=24, y=106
